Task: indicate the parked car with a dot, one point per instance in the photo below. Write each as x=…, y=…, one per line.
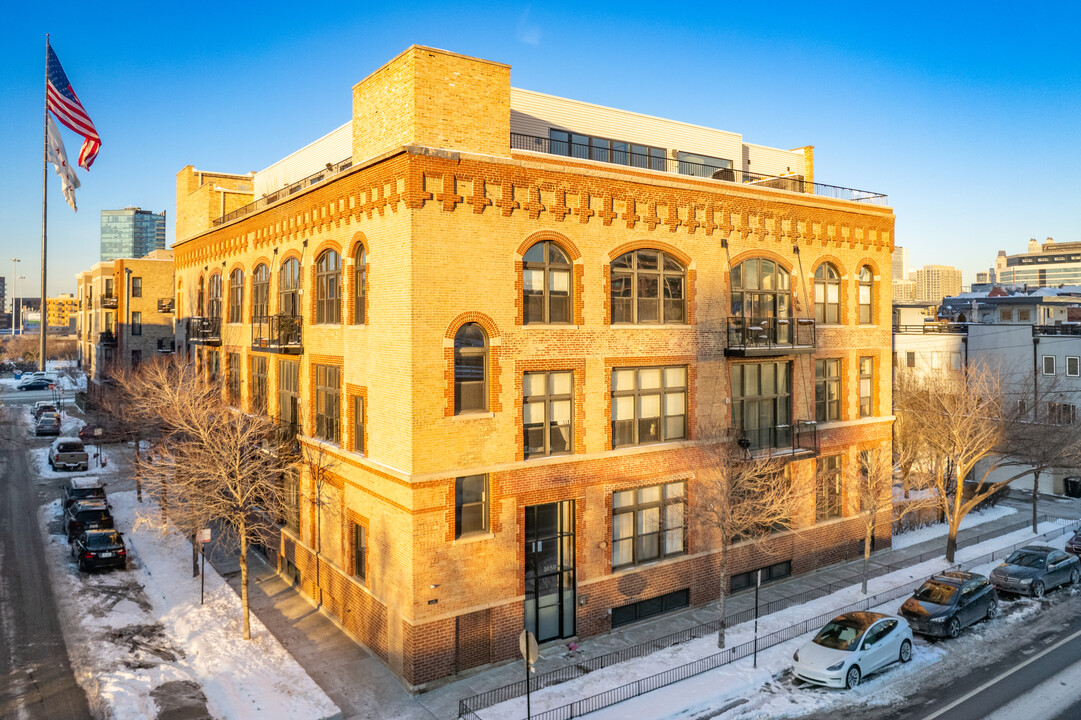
x=68, y=453
x=1034, y=569
x=1073, y=545
x=948, y=602
x=86, y=515
x=99, y=548
x=83, y=487
x=43, y=406
x=851, y=647
x=34, y=384
x=48, y=424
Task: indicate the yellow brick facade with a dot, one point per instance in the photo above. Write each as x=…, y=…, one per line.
x=444, y=224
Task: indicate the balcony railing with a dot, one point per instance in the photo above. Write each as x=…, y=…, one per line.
x=932, y=329
x=166, y=345
x=793, y=183
x=277, y=333
x=757, y=337
x=204, y=330
x=801, y=436
x=108, y=300
x=1061, y=329
x=107, y=338
x=270, y=198
x=165, y=305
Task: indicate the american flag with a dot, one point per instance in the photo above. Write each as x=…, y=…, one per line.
x=64, y=104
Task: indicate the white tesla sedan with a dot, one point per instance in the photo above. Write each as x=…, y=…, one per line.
x=851, y=647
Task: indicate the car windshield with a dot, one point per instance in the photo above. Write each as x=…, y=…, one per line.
x=49, y=420
x=102, y=539
x=93, y=515
x=839, y=635
x=95, y=492
x=936, y=592
x=1026, y=559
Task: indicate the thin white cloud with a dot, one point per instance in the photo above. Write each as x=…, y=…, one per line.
x=527, y=31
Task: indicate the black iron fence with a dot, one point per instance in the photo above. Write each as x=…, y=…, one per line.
x=166, y=345
x=107, y=338
x=313, y=179
x=799, y=436
x=1057, y=329
x=932, y=328
x=277, y=333
x=793, y=183
x=468, y=707
x=781, y=334
x=108, y=300
x=204, y=329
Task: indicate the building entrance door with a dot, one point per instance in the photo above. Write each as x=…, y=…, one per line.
x=549, y=570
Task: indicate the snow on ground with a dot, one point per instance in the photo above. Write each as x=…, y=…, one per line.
x=130, y=631
x=712, y=690
x=914, y=537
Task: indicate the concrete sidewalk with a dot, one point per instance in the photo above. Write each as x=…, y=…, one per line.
x=364, y=688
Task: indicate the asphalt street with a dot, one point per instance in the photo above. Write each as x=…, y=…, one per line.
x=36, y=680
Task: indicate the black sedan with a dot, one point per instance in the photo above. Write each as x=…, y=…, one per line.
x=96, y=549
x=86, y=515
x=35, y=384
x=1034, y=569
x=948, y=602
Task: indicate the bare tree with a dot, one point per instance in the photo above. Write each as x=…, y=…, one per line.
x=965, y=420
x=741, y=497
x=909, y=445
x=323, y=497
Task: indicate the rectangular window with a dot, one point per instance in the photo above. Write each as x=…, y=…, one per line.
x=136, y=323
x=358, y=424
x=828, y=496
x=470, y=505
x=648, y=608
x=328, y=392
x=213, y=364
x=910, y=359
x=360, y=552
x=745, y=580
x=1061, y=413
x=648, y=524
x=1073, y=366
x=234, y=378
x=867, y=383
x=136, y=287
x=762, y=404
x=1048, y=364
x=291, y=498
x=649, y=405
x=289, y=397
x=1024, y=315
x=547, y=413
x=258, y=384
x=1005, y=315
x=827, y=390
x=136, y=357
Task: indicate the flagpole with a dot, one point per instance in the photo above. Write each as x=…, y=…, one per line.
x=43, y=324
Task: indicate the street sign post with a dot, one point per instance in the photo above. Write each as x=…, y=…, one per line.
x=527, y=643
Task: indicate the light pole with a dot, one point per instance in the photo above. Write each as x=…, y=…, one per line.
x=21, y=277
x=15, y=289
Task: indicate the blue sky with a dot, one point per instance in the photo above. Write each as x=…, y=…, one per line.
x=966, y=116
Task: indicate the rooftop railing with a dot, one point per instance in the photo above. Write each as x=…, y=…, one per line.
x=932, y=329
x=270, y=198
x=792, y=183
x=1063, y=329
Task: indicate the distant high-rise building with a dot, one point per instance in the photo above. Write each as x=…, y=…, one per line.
x=1046, y=264
x=904, y=290
x=900, y=263
x=131, y=233
x=934, y=282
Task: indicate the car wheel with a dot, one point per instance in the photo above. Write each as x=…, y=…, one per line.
x=906, y=651
x=82, y=565
x=953, y=627
x=852, y=677
x=1037, y=589
x=992, y=609
x=52, y=464
x=1074, y=576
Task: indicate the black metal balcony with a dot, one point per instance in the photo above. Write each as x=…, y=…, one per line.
x=798, y=438
x=166, y=345
x=107, y=338
x=165, y=305
x=277, y=334
x=763, y=337
x=108, y=301
x=204, y=330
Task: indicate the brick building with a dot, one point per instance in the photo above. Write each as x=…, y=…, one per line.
x=503, y=320
x=124, y=314
x=62, y=311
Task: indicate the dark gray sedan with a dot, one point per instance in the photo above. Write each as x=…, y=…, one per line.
x=948, y=602
x=1034, y=569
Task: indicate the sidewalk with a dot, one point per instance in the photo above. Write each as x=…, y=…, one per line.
x=364, y=688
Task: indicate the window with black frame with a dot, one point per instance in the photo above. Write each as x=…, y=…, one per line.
x=827, y=295
x=866, y=295
x=648, y=524
x=291, y=500
x=619, y=152
x=828, y=496
x=360, y=277
x=360, y=552
x=258, y=384
x=213, y=306
x=761, y=303
x=470, y=369
x=289, y=288
x=236, y=296
x=649, y=405
x=358, y=424
x=234, y=378
x=546, y=285
x=260, y=292
x=328, y=391
x=827, y=390
x=867, y=385
x=547, y=413
x=289, y=397
x=136, y=323
x=136, y=287
x=648, y=288
x=471, y=505
x=328, y=281
x=762, y=404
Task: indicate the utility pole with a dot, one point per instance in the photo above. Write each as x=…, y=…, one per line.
x=15, y=289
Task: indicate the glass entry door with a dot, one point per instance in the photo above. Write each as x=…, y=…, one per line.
x=549, y=570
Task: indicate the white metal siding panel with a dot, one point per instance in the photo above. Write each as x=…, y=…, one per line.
x=331, y=148
x=772, y=161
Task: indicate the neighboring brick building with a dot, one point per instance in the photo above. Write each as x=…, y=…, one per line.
x=507, y=352
x=125, y=313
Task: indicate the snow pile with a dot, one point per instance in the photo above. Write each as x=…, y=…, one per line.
x=930, y=532
x=129, y=632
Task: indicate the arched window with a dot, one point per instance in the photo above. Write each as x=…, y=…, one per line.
x=470, y=369
x=289, y=288
x=360, y=270
x=866, y=287
x=199, y=297
x=761, y=301
x=648, y=287
x=260, y=292
x=213, y=305
x=827, y=295
x=328, y=281
x=236, y=296
x=546, y=284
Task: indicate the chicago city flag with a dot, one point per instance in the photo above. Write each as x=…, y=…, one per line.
x=59, y=158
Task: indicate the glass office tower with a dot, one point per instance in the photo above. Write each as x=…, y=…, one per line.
x=131, y=233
